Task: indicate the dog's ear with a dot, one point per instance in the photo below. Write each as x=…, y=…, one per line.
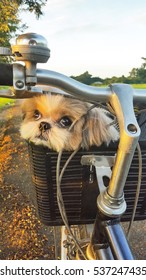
x=98, y=130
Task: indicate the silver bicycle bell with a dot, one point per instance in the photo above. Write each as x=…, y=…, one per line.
x=31, y=48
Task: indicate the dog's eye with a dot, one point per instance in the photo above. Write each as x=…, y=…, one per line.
x=65, y=121
x=37, y=115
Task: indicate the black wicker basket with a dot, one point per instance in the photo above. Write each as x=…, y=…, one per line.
x=79, y=194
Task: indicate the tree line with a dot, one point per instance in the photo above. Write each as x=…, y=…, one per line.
x=136, y=76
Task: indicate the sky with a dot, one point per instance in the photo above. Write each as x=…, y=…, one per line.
x=104, y=37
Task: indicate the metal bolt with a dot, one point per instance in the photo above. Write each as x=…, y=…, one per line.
x=19, y=84
x=132, y=128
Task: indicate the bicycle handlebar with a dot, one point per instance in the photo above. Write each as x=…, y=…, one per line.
x=6, y=74
x=68, y=85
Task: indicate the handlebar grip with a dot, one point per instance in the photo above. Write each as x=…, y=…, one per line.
x=6, y=74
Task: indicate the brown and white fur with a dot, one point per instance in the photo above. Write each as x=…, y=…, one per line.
x=64, y=123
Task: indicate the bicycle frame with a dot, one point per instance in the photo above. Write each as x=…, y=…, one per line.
x=108, y=240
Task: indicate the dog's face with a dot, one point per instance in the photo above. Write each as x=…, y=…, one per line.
x=47, y=120
x=59, y=122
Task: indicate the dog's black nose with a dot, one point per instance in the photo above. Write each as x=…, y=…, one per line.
x=44, y=126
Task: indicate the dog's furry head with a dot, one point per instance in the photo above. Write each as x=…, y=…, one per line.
x=60, y=122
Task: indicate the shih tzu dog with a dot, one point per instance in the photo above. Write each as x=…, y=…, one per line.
x=65, y=123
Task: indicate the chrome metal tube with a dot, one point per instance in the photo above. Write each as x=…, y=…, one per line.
x=139, y=95
x=111, y=202
x=73, y=87
x=118, y=242
x=122, y=102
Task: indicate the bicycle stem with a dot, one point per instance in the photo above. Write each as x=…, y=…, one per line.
x=111, y=202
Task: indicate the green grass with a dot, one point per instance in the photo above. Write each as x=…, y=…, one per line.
x=136, y=86
x=139, y=86
x=6, y=101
